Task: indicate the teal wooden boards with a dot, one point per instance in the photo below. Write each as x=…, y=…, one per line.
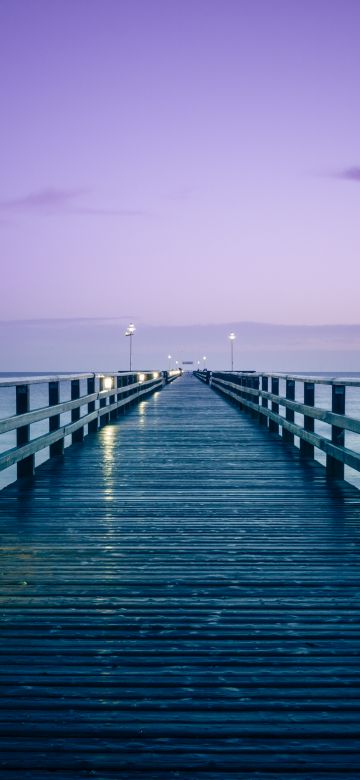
x=180, y=598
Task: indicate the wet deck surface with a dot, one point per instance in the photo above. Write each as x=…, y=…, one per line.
x=180, y=599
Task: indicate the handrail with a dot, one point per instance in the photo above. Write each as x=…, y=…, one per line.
x=245, y=389
x=323, y=415
x=46, y=378
x=317, y=380
x=106, y=394
x=17, y=420
x=17, y=454
x=39, y=379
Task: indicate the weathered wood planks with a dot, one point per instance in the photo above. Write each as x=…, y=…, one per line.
x=109, y=406
x=180, y=598
x=236, y=387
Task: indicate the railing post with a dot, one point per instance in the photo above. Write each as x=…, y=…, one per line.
x=335, y=468
x=237, y=382
x=119, y=396
x=93, y=424
x=129, y=392
x=274, y=426
x=241, y=392
x=306, y=448
x=256, y=399
x=25, y=467
x=248, y=396
x=125, y=394
x=264, y=401
x=104, y=417
x=112, y=399
x=290, y=414
x=137, y=390
x=78, y=435
x=57, y=448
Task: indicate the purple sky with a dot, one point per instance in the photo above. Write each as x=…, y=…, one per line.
x=180, y=161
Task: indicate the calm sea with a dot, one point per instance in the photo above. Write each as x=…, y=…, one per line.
x=39, y=398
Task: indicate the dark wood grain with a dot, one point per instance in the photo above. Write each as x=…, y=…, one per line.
x=242, y=395
x=180, y=599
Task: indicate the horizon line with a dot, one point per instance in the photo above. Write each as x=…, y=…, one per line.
x=228, y=323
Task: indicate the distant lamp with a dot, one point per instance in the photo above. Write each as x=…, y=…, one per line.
x=141, y=377
x=204, y=359
x=232, y=338
x=169, y=359
x=108, y=383
x=156, y=375
x=130, y=330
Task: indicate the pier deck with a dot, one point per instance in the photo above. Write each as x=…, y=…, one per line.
x=180, y=598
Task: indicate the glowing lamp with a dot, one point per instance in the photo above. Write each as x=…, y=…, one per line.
x=130, y=330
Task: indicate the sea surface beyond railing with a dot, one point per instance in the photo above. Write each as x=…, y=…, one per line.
x=68, y=407
x=289, y=405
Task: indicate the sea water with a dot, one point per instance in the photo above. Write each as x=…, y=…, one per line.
x=39, y=399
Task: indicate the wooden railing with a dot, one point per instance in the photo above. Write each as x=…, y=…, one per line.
x=106, y=395
x=256, y=391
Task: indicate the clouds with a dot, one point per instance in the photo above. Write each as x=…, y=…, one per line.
x=350, y=174
x=53, y=200
x=42, y=201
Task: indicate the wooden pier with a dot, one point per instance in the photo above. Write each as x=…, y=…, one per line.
x=180, y=599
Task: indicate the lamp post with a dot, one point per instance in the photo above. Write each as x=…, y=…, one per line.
x=169, y=359
x=232, y=338
x=204, y=359
x=130, y=330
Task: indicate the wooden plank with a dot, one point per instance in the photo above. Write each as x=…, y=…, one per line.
x=56, y=449
x=324, y=415
x=41, y=379
x=78, y=431
x=17, y=454
x=334, y=467
x=342, y=454
x=180, y=598
x=306, y=446
x=45, y=379
x=26, y=467
x=92, y=396
x=273, y=421
x=36, y=415
x=45, y=412
x=317, y=380
x=290, y=414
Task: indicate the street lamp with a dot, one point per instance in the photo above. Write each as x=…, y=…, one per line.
x=204, y=359
x=130, y=330
x=232, y=338
x=169, y=359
